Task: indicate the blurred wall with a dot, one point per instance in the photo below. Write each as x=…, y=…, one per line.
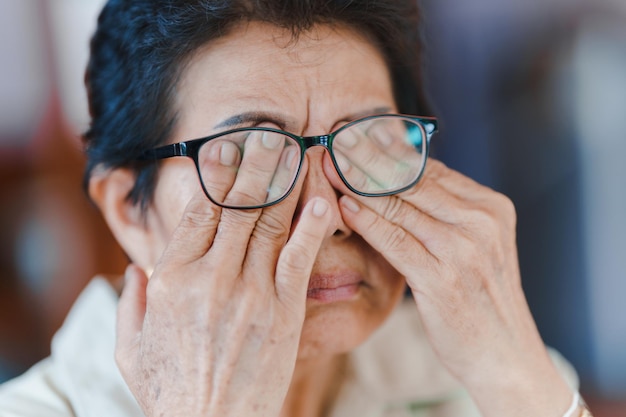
x=52, y=240
x=25, y=84
x=599, y=84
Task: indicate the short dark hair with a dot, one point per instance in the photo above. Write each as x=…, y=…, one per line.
x=140, y=48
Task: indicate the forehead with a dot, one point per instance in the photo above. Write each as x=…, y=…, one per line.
x=326, y=73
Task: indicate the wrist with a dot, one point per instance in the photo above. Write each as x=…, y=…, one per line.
x=521, y=391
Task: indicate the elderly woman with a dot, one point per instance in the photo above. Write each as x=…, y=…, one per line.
x=263, y=166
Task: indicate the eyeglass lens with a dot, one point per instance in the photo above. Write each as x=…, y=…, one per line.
x=249, y=168
x=256, y=167
x=380, y=156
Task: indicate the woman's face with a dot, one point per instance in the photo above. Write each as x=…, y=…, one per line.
x=311, y=86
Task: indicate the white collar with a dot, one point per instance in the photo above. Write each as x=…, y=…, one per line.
x=83, y=354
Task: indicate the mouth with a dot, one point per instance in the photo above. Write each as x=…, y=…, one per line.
x=329, y=288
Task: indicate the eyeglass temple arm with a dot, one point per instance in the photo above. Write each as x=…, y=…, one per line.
x=168, y=151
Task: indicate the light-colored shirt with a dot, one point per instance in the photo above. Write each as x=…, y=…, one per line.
x=393, y=374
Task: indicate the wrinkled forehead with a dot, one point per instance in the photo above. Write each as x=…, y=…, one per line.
x=320, y=73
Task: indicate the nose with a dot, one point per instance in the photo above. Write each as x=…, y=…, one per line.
x=316, y=184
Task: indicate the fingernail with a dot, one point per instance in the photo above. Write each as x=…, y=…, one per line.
x=228, y=154
x=271, y=140
x=320, y=208
x=350, y=204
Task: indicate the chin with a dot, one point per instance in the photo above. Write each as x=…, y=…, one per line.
x=338, y=323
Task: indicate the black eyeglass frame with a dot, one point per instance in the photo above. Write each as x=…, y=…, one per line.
x=191, y=149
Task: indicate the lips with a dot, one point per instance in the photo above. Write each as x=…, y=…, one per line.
x=334, y=287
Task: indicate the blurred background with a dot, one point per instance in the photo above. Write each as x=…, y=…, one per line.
x=532, y=99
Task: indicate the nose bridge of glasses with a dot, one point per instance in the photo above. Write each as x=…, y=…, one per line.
x=321, y=140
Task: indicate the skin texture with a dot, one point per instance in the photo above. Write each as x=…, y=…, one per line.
x=224, y=326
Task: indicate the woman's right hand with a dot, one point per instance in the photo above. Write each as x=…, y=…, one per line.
x=216, y=329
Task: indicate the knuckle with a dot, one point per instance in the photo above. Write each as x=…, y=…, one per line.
x=395, y=239
x=481, y=220
x=435, y=168
x=494, y=216
x=293, y=260
x=272, y=225
x=298, y=256
x=420, y=188
x=393, y=208
x=507, y=208
x=198, y=216
x=245, y=197
x=236, y=217
x=238, y=221
x=429, y=190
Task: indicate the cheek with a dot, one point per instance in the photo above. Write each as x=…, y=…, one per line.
x=176, y=185
x=387, y=286
x=386, y=281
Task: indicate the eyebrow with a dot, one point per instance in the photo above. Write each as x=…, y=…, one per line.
x=255, y=118
x=371, y=112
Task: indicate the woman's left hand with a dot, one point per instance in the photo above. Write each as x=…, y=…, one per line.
x=454, y=241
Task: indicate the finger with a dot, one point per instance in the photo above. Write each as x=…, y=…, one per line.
x=296, y=260
x=391, y=136
x=272, y=231
x=450, y=197
x=358, y=179
x=237, y=227
x=262, y=152
x=404, y=251
x=195, y=232
x=285, y=172
x=361, y=150
x=230, y=245
x=429, y=197
x=378, y=175
x=232, y=178
x=131, y=311
x=219, y=162
x=456, y=183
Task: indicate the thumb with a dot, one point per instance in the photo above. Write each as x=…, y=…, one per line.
x=131, y=311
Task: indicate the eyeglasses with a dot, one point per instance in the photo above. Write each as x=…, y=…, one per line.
x=256, y=167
